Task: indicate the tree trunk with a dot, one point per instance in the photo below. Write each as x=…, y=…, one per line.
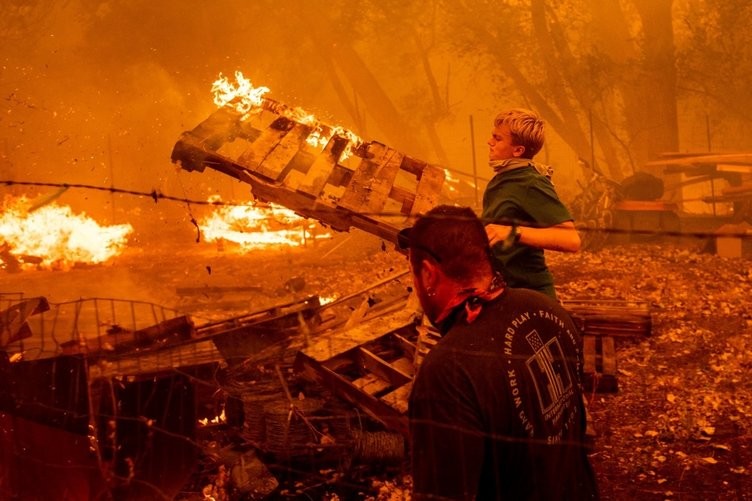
x=660, y=129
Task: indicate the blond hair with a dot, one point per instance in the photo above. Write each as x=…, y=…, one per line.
x=526, y=128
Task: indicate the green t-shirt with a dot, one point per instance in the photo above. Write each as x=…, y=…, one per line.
x=529, y=198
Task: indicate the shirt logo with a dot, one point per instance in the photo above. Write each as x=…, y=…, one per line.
x=550, y=374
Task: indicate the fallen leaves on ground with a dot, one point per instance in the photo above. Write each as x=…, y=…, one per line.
x=682, y=417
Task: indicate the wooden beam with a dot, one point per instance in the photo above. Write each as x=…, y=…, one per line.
x=380, y=411
x=725, y=158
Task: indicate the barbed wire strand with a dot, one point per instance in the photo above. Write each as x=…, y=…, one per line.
x=157, y=195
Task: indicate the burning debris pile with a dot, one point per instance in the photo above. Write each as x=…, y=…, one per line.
x=143, y=385
x=38, y=234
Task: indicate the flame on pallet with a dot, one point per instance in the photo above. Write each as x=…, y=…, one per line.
x=53, y=237
x=249, y=100
x=253, y=226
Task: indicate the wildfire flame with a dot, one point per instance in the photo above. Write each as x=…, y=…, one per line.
x=255, y=227
x=53, y=237
x=243, y=96
x=248, y=100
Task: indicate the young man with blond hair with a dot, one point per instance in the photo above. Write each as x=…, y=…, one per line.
x=522, y=212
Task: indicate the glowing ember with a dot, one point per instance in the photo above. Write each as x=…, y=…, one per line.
x=53, y=237
x=253, y=227
x=221, y=419
x=247, y=99
x=327, y=299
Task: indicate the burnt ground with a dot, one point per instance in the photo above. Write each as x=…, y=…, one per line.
x=679, y=427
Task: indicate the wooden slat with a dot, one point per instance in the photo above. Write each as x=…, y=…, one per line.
x=408, y=347
x=192, y=156
x=322, y=167
x=218, y=128
x=398, y=399
x=382, y=368
x=293, y=179
x=261, y=147
x=608, y=355
x=404, y=365
x=371, y=384
x=743, y=189
x=275, y=161
x=428, y=190
x=612, y=318
x=404, y=197
x=588, y=349
x=372, y=181
x=327, y=346
x=413, y=166
x=599, y=364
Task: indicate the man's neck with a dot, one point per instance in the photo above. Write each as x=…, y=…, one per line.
x=453, y=294
x=508, y=164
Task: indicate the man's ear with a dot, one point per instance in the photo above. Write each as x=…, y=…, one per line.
x=518, y=151
x=429, y=274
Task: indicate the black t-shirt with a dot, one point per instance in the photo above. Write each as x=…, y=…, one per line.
x=496, y=409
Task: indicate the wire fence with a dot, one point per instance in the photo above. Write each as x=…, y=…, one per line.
x=157, y=196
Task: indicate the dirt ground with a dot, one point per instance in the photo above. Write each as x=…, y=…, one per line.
x=679, y=426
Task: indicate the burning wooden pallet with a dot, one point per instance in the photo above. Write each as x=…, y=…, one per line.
x=375, y=188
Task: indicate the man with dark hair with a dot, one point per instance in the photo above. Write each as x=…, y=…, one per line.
x=496, y=409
